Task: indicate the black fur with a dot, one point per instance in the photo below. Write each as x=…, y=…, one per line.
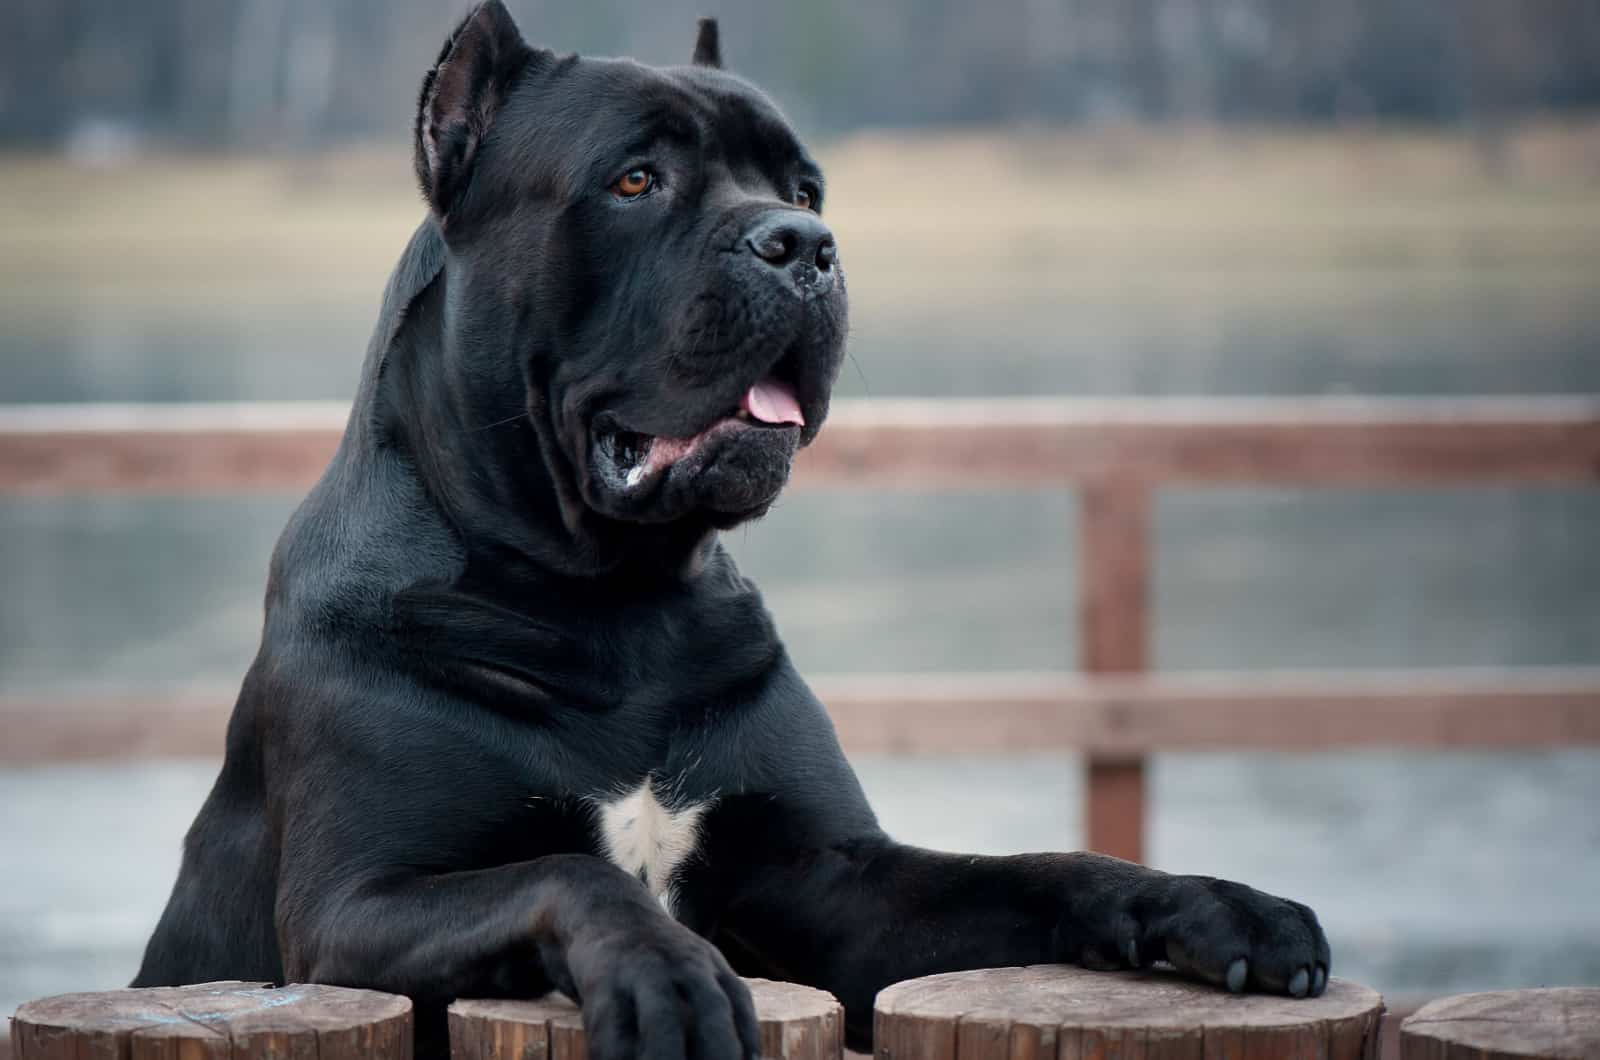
x=476, y=70
x=475, y=625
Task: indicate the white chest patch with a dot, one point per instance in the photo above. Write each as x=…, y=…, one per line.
x=647, y=840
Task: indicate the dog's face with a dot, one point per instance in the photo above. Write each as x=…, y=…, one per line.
x=642, y=250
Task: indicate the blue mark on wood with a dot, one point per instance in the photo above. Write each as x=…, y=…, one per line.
x=271, y=998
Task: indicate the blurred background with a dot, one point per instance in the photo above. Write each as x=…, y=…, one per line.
x=200, y=200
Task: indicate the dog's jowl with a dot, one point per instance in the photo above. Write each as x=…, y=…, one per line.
x=517, y=722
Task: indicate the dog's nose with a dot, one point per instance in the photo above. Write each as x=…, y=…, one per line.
x=785, y=238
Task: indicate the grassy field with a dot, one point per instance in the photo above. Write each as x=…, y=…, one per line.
x=916, y=213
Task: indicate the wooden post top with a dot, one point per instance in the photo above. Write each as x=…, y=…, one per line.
x=1551, y=1024
x=1056, y=1012
x=215, y=1021
x=797, y=1023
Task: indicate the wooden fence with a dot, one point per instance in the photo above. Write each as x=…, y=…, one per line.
x=1115, y=453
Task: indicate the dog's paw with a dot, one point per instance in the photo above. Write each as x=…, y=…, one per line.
x=1229, y=934
x=667, y=995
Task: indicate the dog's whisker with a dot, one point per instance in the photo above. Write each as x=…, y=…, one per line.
x=514, y=417
x=859, y=373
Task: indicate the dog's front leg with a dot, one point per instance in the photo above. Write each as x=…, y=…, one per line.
x=860, y=915
x=649, y=987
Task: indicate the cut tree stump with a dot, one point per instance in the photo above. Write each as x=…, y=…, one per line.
x=1552, y=1024
x=1055, y=1012
x=215, y=1021
x=797, y=1023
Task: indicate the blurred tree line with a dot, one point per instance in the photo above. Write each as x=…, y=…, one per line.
x=299, y=73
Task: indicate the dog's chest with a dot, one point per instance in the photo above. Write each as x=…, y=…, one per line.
x=647, y=839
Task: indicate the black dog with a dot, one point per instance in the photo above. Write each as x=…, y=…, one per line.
x=517, y=722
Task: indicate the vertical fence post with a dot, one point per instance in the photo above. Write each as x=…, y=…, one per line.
x=1114, y=635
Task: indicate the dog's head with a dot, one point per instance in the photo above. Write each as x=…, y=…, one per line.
x=639, y=252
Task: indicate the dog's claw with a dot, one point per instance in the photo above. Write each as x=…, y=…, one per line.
x=1319, y=981
x=1299, y=983
x=1238, y=971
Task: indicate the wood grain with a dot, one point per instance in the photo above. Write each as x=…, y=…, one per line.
x=215, y=1021
x=1065, y=1013
x=797, y=1023
x=1549, y=1024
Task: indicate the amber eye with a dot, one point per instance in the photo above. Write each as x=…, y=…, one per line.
x=633, y=183
x=803, y=199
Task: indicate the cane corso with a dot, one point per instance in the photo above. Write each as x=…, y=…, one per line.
x=517, y=722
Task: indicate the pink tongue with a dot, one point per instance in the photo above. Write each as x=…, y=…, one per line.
x=772, y=401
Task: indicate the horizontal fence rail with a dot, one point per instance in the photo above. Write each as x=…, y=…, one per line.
x=1116, y=452
x=902, y=443
x=976, y=713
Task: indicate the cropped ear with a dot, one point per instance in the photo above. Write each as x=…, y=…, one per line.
x=472, y=77
x=708, y=45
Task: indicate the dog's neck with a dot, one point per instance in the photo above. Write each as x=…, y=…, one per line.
x=493, y=470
